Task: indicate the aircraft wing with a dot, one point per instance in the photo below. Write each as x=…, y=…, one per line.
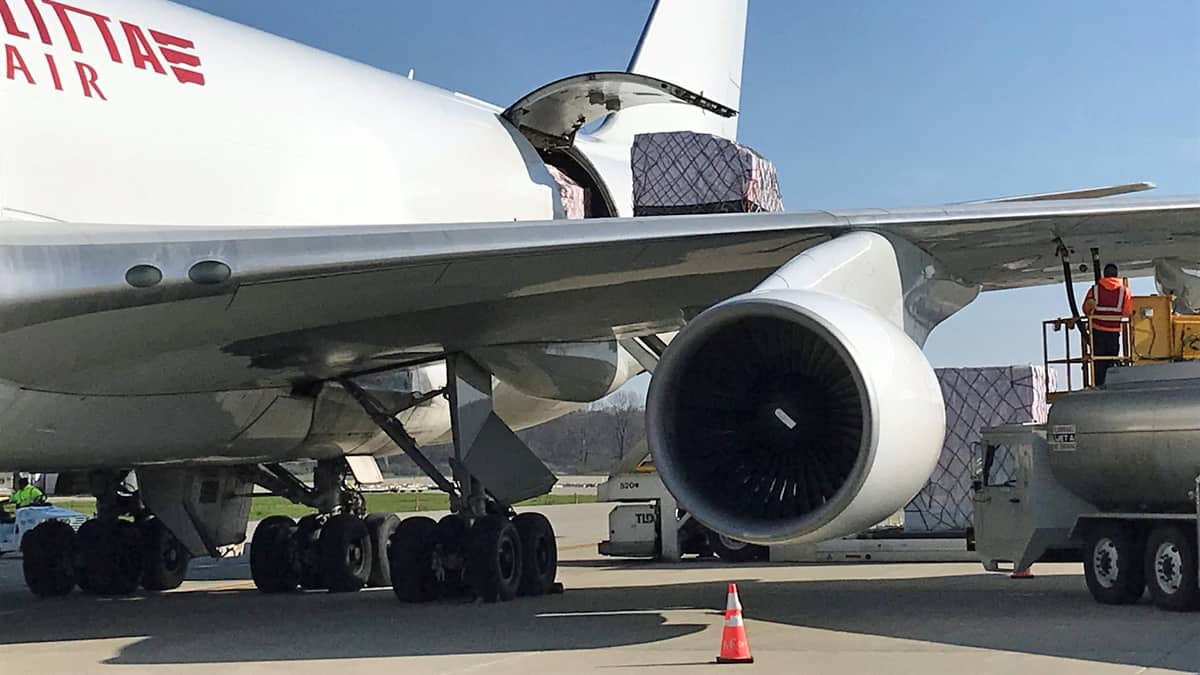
x=268, y=306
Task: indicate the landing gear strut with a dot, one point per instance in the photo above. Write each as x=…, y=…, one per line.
x=482, y=549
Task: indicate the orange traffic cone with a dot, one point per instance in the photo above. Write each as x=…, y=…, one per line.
x=735, y=646
x=1026, y=573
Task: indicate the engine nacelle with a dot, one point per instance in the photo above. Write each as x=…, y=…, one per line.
x=793, y=415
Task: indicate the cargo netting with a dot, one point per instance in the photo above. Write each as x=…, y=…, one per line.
x=685, y=172
x=975, y=398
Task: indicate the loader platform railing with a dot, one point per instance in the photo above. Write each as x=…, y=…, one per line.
x=1085, y=361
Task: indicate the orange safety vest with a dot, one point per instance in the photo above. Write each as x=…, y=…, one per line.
x=1108, y=298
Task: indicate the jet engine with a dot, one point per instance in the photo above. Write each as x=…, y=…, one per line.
x=793, y=415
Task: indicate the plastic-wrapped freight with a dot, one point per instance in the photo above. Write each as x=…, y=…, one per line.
x=685, y=172
x=975, y=398
x=570, y=192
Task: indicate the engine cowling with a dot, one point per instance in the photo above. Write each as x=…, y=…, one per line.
x=793, y=415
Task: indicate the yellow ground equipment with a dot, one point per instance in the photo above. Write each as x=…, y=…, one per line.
x=1154, y=333
x=1159, y=334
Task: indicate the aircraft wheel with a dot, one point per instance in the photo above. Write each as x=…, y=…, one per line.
x=450, y=549
x=273, y=556
x=539, y=560
x=48, y=563
x=108, y=558
x=1113, y=565
x=345, y=553
x=411, y=557
x=381, y=526
x=494, y=564
x=307, y=540
x=1171, y=568
x=164, y=559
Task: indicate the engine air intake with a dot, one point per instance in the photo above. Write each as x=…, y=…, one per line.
x=775, y=432
x=791, y=415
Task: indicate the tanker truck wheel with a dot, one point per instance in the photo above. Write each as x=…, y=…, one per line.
x=1113, y=564
x=1171, y=568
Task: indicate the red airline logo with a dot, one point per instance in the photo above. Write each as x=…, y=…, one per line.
x=124, y=40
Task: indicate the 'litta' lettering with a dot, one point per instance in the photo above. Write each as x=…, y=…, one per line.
x=83, y=31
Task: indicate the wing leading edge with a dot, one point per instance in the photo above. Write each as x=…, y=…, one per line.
x=317, y=302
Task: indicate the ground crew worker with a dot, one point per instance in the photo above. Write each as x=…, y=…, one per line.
x=1107, y=303
x=26, y=495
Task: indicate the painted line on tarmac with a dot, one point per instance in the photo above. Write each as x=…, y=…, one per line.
x=488, y=665
x=576, y=547
x=628, y=612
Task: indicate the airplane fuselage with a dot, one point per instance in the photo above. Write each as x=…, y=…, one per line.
x=146, y=113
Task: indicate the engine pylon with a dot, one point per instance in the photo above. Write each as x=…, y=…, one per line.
x=735, y=645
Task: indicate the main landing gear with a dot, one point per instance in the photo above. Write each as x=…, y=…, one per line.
x=123, y=548
x=340, y=548
x=482, y=549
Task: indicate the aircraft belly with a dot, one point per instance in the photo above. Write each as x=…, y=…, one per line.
x=57, y=432
x=49, y=432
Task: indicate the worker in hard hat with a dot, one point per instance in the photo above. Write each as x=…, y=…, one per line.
x=1107, y=303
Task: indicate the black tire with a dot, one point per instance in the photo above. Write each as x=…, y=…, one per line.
x=345, y=548
x=1113, y=564
x=451, y=551
x=307, y=542
x=494, y=564
x=411, y=558
x=164, y=560
x=1171, y=568
x=273, y=556
x=48, y=552
x=85, y=538
x=108, y=557
x=539, y=554
x=452, y=535
x=381, y=526
x=733, y=550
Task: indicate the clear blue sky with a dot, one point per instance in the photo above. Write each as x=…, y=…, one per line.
x=859, y=104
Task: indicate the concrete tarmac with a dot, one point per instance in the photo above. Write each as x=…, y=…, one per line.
x=616, y=616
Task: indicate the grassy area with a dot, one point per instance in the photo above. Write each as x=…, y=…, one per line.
x=376, y=503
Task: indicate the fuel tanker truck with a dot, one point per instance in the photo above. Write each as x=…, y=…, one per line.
x=1112, y=479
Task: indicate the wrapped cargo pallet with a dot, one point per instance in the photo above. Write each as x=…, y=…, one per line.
x=685, y=172
x=975, y=398
x=570, y=193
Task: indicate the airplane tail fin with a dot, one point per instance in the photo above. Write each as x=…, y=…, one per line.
x=698, y=45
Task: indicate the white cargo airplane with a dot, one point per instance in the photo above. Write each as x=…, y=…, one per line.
x=221, y=250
